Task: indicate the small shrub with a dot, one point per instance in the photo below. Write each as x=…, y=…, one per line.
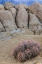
x=26, y=50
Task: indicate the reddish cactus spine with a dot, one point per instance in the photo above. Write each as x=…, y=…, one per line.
x=26, y=50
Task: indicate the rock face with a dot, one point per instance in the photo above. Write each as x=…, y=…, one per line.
x=13, y=11
x=8, y=5
x=1, y=7
x=7, y=20
x=36, y=8
x=1, y=28
x=34, y=24
x=33, y=21
x=22, y=18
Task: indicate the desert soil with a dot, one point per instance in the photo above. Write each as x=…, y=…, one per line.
x=7, y=46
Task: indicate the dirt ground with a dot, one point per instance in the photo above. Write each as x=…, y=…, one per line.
x=7, y=46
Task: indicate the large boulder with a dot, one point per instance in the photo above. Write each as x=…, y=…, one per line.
x=22, y=18
x=2, y=29
x=1, y=7
x=7, y=20
x=8, y=5
x=36, y=8
x=33, y=21
x=34, y=24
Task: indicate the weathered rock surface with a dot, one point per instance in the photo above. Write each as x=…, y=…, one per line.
x=22, y=18
x=1, y=27
x=21, y=5
x=34, y=24
x=7, y=20
x=13, y=11
x=1, y=7
x=8, y=5
x=33, y=21
x=36, y=8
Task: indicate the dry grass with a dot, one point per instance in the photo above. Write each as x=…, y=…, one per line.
x=7, y=46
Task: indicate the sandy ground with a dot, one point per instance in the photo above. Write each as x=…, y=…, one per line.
x=7, y=46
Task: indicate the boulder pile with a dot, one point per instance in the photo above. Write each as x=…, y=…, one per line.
x=13, y=17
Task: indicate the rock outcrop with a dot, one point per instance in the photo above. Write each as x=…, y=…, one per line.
x=22, y=17
x=7, y=20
